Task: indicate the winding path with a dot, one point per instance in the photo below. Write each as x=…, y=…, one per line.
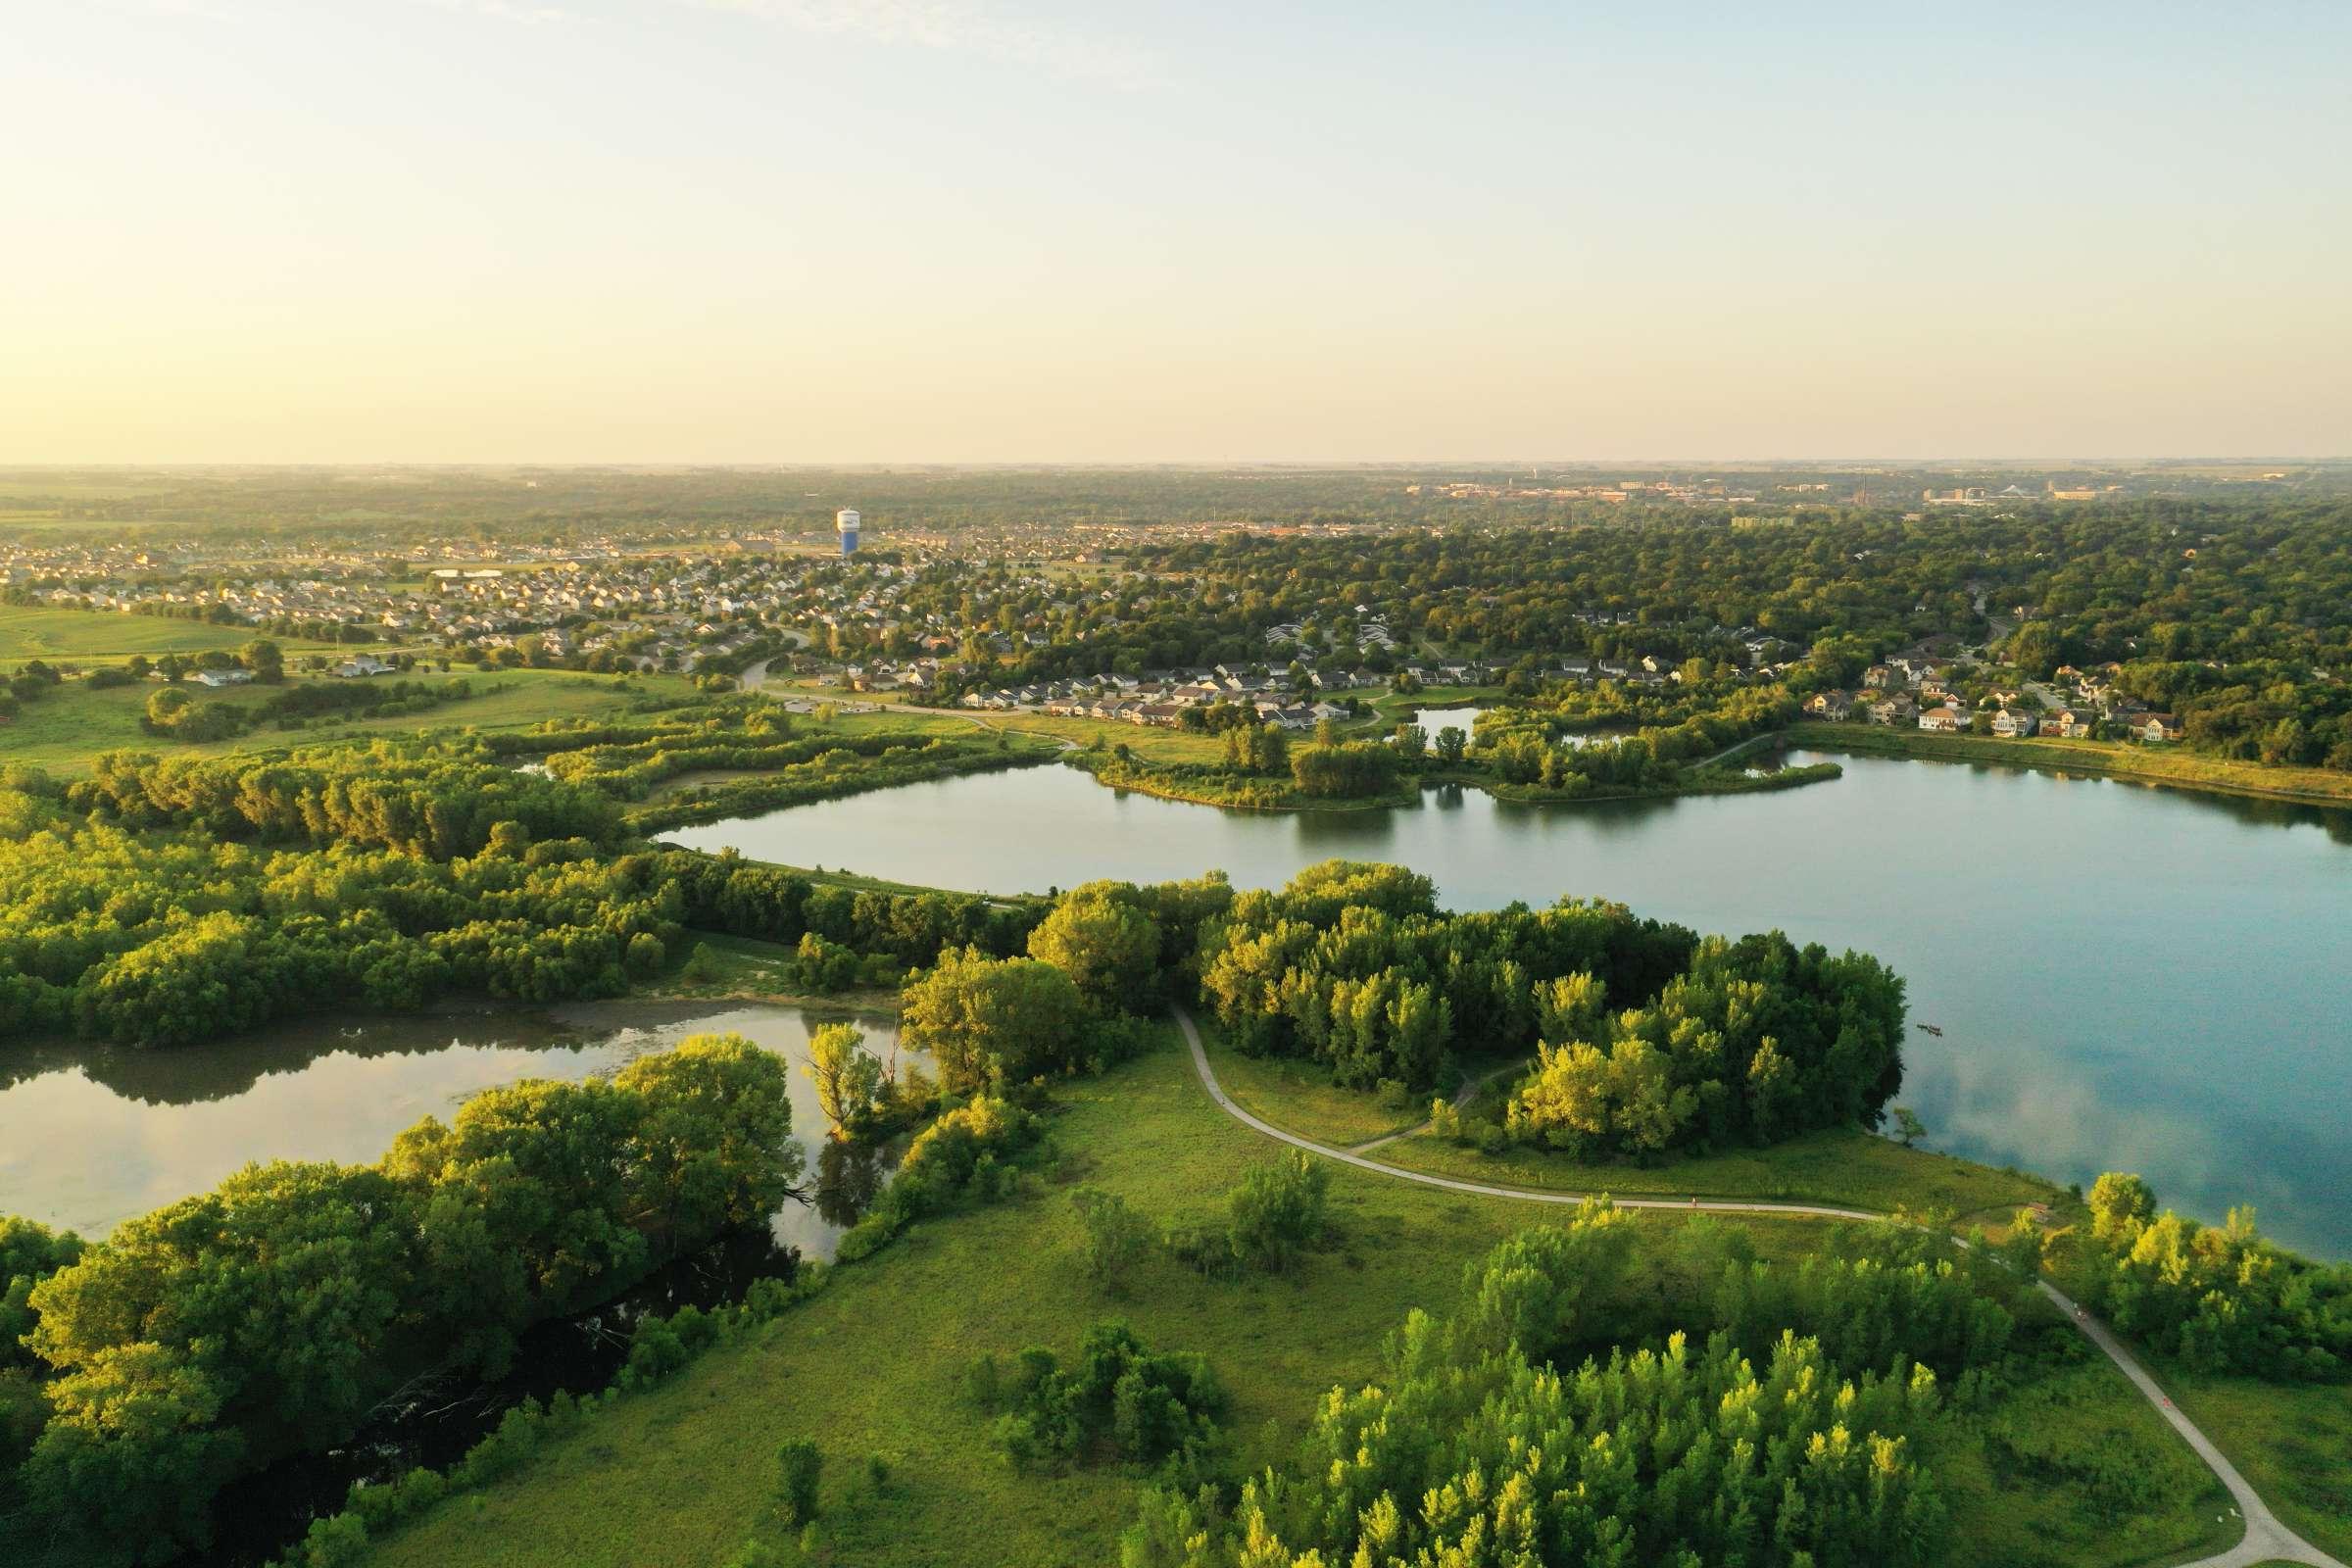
x=2267, y=1540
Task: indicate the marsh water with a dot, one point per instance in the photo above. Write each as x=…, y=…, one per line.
x=2126, y=977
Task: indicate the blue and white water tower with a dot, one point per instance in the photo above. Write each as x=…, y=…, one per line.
x=845, y=523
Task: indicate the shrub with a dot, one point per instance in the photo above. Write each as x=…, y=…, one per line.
x=798, y=1466
x=1117, y=1237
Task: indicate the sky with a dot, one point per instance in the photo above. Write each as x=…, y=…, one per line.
x=1040, y=230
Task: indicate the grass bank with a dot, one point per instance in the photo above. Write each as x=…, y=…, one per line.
x=678, y=1477
x=2171, y=768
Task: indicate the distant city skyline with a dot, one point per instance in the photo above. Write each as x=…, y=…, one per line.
x=965, y=232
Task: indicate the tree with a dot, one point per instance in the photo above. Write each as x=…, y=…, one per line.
x=799, y=1465
x=987, y=1019
x=1106, y=944
x=2120, y=1205
x=846, y=1077
x=164, y=708
x=713, y=1149
x=1277, y=1212
x=1117, y=1237
x=1451, y=743
x=1547, y=1288
x=265, y=659
x=1908, y=1127
x=132, y=1452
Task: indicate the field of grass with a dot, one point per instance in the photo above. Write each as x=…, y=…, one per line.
x=677, y=1478
x=1840, y=1165
x=63, y=731
x=2293, y=1442
x=1300, y=1095
x=2171, y=768
x=104, y=635
x=1149, y=742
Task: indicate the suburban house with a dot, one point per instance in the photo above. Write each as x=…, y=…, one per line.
x=223, y=677
x=1829, y=705
x=364, y=665
x=1897, y=709
x=2158, y=727
x=1943, y=720
x=2069, y=723
x=2014, y=723
x=1883, y=677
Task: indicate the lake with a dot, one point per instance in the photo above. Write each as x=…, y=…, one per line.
x=2127, y=977
x=98, y=1133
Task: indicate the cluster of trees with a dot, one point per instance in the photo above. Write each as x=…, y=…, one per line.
x=1354, y=965
x=1345, y=769
x=782, y=768
x=1516, y=744
x=1120, y=1401
x=724, y=892
x=1095, y=964
x=269, y=1315
x=417, y=801
x=1756, y=1041
x=2219, y=1297
x=164, y=937
x=1494, y=1437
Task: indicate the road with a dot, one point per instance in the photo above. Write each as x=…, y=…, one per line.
x=2267, y=1540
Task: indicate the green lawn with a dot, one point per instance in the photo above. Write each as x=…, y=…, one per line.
x=676, y=1478
x=111, y=636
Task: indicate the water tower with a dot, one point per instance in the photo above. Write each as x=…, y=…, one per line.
x=845, y=523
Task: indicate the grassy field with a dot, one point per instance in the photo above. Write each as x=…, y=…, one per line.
x=1149, y=742
x=1840, y=1165
x=676, y=1478
x=89, y=634
x=1300, y=1096
x=2294, y=1443
x=2171, y=768
x=64, y=731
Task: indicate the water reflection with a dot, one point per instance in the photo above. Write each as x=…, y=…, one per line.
x=848, y=1177
x=91, y=1135
x=2126, y=976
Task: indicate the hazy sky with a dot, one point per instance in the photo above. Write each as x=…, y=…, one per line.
x=852, y=230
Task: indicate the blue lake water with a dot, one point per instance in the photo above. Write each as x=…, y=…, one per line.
x=2127, y=977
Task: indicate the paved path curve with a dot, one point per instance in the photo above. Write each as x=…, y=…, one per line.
x=2267, y=1540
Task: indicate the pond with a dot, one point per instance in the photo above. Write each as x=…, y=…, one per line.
x=2126, y=977
x=99, y=1133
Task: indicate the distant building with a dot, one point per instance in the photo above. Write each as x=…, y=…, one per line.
x=845, y=523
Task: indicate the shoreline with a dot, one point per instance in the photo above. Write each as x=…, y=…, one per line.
x=2100, y=759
